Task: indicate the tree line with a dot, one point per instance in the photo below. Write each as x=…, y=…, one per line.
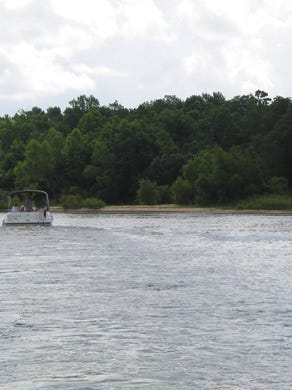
x=205, y=149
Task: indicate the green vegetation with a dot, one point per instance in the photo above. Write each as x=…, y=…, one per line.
x=71, y=202
x=147, y=193
x=205, y=150
x=266, y=202
x=76, y=202
x=3, y=200
x=92, y=203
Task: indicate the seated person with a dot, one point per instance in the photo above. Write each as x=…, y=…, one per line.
x=15, y=208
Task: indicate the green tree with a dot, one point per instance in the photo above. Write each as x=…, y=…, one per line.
x=165, y=169
x=222, y=149
x=56, y=141
x=84, y=103
x=218, y=176
x=182, y=191
x=99, y=175
x=277, y=147
x=30, y=124
x=91, y=122
x=9, y=159
x=79, y=107
x=37, y=166
x=77, y=155
x=147, y=192
x=178, y=124
x=55, y=118
x=133, y=149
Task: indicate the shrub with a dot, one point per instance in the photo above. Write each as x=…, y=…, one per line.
x=147, y=192
x=93, y=203
x=165, y=194
x=182, y=191
x=266, y=202
x=71, y=201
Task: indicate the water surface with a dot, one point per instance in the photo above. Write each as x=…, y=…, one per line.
x=147, y=301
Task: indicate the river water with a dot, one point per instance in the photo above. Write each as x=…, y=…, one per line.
x=147, y=301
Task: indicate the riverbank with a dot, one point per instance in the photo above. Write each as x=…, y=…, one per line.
x=120, y=209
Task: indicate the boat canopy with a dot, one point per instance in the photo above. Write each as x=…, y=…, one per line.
x=29, y=191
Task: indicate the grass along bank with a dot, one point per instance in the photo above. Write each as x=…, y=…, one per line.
x=281, y=203
x=266, y=202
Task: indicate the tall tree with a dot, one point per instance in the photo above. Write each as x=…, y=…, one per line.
x=76, y=156
x=36, y=168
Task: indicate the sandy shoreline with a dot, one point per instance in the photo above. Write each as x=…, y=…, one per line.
x=167, y=209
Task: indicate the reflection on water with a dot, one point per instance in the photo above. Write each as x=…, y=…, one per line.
x=164, y=301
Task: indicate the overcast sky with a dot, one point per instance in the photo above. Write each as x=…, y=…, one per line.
x=133, y=51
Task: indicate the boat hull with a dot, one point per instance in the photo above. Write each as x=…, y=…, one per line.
x=40, y=217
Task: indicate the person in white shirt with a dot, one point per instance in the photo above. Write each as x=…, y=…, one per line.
x=15, y=208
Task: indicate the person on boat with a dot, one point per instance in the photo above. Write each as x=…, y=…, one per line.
x=15, y=208
x=28, y=204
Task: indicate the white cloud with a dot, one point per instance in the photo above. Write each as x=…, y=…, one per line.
x=40, y=74
x=97, y=70
x=249, y=68
x=94, y=19
x=15, y=4
x=104, y=19
x=138, y=50
x=231, y=39
x=142, y=19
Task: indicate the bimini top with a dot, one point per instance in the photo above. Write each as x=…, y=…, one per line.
x=43, y=194
x=28, y=190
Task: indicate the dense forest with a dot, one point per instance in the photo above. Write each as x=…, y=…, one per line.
x=203, y=150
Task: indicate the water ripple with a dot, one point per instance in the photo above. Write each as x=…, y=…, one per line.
x=160, y=301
